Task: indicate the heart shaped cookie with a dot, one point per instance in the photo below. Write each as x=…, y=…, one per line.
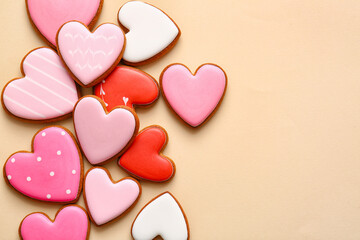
x=151, y=33
x=46, y=93
x=103, y=135
x=144, y=160
x=162, y=216
x=52, y=172
x=105, y=199
x=71, y=223
x=127, y=86
x=48, y=16
x=194, y=98
x=90, y=56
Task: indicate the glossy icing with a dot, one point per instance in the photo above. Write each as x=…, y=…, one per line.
x=49, y=16
x=127, y=86
x=71, y=223
x=143, y=160
x=105, y=199
x=90, y=56
x=161, y=217
x=193, y=97
x=46, y=92
x=151, y=31
x=52, y=172
x=101, y=135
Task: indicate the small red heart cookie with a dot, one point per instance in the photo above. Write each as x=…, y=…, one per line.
x=144, y=160
x=127, y=86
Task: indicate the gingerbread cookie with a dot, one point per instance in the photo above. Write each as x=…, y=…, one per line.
x=162, y=216
x=90, y=56
x=144, y=159
x=194, y=98
x=106, y=199
x=103, y=135
x=46, y=93
x=48, y=16
x=52, y=172
x=150, y=32
x=127, y=86
x=71, y=223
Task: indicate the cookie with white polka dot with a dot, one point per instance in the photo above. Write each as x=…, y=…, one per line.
x=52, y=171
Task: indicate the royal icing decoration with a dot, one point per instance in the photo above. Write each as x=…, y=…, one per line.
x=193, y=97
x=49, y=16
x=151, y=32
x=52, y=172
x=106, y=199
x=144, y=160
x=127, y=86
x=163, y=217
x=90, y=56
x=47, y=91
x=103, y=136
x=71, y=223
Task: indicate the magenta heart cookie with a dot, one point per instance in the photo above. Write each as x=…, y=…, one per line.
x=106, y=199
x=71, y=223
x=194, y=98
x=52, y=171
x=46, y=93
x=90, y=57
x=48, y=16
x=102, y=135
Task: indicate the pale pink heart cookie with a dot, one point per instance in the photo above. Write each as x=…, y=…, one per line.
x=163, y=216
x=90, y=56
x=102, y=135
x=105, y=199
x=71, y=223
x=52, y=172
x=48, y=16
x=194, y=98
x=46, y=93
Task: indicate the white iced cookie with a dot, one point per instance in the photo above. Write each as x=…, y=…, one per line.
x=151, y=33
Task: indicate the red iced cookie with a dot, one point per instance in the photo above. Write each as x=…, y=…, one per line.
x=144, y=160
x=127, y=86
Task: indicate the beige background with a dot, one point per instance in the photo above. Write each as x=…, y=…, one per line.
x=279, y=160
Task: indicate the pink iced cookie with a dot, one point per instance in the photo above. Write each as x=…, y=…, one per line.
x=52, y=171
x=102, y=135
x=48, y=16
x=71, y=223
x=90, y=57
x=46, y=93
x=105, y=199
x=194, y=98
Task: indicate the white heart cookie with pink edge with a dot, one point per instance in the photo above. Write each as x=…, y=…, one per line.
x=194, y=98
x=162, y=216
x=46, y=93
x=102, y=135
x=106, y=199
x=151, y=32
x=90, y=56
x=52, y=171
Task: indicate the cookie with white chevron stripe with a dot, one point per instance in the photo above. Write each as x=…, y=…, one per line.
x=46, y=92
x=90, y=56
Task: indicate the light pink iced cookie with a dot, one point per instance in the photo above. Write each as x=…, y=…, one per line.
x=162, y=216
x=46, y=93
x=48, y=16
x=151, y=33
x=103, y=135
x=106, y=199
x=194, y=98
x=71, y=223
x=90, y=56
x=52, y=172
